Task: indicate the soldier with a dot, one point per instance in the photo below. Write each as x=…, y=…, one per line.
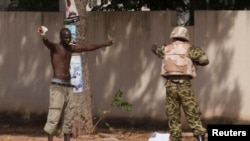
x=179, y=61
x=61, y=106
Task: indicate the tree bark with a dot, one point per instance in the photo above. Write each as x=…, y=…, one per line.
x=83, y=122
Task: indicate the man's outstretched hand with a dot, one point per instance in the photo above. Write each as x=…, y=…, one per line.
x=109, y=43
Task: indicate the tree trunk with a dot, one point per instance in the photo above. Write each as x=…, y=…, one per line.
x=83, y=122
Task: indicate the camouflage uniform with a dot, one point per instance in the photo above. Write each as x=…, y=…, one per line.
x=179, y=94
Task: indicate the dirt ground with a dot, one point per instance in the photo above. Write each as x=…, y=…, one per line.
x=21, y=133
x=134, y=137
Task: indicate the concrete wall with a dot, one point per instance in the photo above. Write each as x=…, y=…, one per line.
x=129, y=65
x=221, y=87
x=24, y=61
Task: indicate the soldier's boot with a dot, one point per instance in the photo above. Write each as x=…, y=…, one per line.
x=66, y=137
x=200, y=138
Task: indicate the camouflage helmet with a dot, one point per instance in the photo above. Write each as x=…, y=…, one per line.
x=180, y=32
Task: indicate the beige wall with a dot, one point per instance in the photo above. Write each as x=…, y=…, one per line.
x=221, y=87
x=24, y=61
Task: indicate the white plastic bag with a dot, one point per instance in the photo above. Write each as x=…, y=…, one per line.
x=42, y=30
x=159, y=137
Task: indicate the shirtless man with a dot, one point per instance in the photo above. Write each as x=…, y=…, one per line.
x=61, y=107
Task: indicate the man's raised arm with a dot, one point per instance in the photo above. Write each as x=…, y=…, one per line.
x=90, y=47
x=42, y=31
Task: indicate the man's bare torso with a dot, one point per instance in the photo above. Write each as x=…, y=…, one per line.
x=60, y=60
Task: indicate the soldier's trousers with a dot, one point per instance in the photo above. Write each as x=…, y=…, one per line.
x=179, y=94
